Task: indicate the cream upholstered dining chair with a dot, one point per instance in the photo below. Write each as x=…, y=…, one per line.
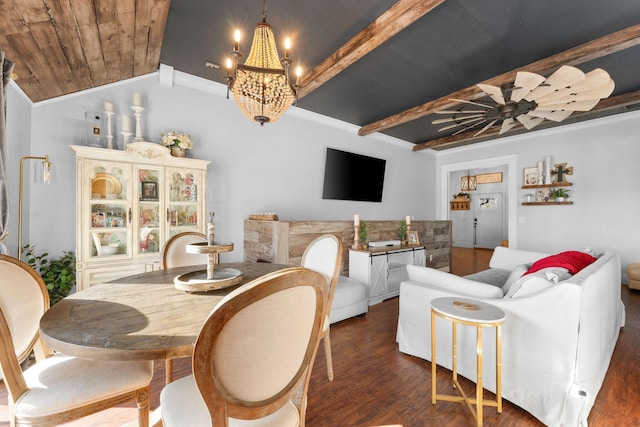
x=324, y=255
x=253, y=356
x=57, y=388
x=174, y=253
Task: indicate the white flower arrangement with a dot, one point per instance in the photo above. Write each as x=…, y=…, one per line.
x=174, y=139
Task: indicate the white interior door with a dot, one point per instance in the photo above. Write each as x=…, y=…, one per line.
x=488, y=212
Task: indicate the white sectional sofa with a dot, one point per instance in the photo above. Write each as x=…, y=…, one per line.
x=557, y=339
x=351, y=299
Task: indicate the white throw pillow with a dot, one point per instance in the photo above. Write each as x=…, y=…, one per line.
x=536, y=282
x=514, y=276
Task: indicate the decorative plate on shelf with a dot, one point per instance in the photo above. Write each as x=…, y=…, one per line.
x=105, y=184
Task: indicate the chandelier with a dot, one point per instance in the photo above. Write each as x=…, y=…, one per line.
x=261, y=86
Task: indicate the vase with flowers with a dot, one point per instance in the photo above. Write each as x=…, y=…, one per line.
x=177, y=142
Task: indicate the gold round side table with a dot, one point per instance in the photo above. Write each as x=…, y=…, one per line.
x=480, y=315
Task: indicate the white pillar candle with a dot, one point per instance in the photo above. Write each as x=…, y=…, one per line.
x=126, y=123
x=137, y=100
x=356, y=219
x=108, y=106
x=407, y=220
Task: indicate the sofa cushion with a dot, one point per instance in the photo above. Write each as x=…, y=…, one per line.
x=491, y=276
x=536, y=282
x=516, y=273
x=574, y=261
x=453, y=283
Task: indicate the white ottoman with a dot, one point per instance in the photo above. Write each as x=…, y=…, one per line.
x=350, y=299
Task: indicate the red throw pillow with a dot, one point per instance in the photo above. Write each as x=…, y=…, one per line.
x=573, y=261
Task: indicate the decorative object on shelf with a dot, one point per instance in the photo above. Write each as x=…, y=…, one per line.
x=559, y=194
x=413, y=238
x=402, y=231
x=149, y=191
x=547, y=170
x=177, y=142
x=125, y=131
x=543, y=195
x=93, y=124
x=356, y=232
x=560, y=171
x=210, y=229
x=261, y=86
x=108, y=111
x=137, y=112
x=530, y=100
x=468, y=183
x=532, y=176
x=363, y=233
x=46, y=179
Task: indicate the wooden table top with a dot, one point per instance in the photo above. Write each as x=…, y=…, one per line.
x=141, y=317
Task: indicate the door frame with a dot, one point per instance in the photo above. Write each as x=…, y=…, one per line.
x=512, y=189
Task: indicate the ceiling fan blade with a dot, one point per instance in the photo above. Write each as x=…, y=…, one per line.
x=555, y=116
x=452, y=119
x=493, y=91
x=528, y=121
x=478, y=104
x=469, y=127
x=525, y=83
x=486, y=127
x=462, y=123
x=573, y=94
x=563, y=77
x=507, y=124
x=570, y=106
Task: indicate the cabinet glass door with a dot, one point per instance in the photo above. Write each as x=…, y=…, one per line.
x=183, y=210
x=148, y=211
x=109, y=208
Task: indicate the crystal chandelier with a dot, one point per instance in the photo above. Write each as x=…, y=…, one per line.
x=261, y=86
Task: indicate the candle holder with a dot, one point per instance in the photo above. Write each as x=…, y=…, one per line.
x=137, y=111
x=125, y=139
x=356, y=237
x=109, y=136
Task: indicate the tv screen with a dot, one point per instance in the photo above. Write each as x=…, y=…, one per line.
x=349, y=176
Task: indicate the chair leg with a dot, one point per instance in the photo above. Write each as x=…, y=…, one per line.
x=143, y=401
x=168, y=370
x=327, y=352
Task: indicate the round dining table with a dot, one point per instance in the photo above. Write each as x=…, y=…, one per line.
x=140, y=317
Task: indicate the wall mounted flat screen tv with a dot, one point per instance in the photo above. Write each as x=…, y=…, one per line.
x=350, y=176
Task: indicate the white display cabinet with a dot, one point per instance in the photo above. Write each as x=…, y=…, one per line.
x=129, y=203
x=382, y=269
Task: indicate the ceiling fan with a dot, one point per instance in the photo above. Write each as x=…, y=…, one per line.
x=529, y=100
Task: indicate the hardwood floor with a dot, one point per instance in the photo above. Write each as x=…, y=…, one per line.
x=376, y=385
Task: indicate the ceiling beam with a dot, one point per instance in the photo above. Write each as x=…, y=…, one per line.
x=395, y=19
x=589, y=51
x=619, y=101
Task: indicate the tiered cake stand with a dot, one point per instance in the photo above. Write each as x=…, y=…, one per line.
x=211, y=278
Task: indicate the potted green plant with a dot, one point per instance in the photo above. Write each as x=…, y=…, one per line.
x=403, y=232
x=559, y=194
x=364, y=233
x=59, y=275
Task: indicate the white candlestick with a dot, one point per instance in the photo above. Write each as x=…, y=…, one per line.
x=407, y=220
x=109, y=114
x=137, y=110
x=108, y=107
x=137, y=100
x=356, y=219
x=126, y=123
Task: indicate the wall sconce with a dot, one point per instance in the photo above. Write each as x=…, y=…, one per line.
x=46, y=179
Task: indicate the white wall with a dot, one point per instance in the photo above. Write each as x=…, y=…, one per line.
x=604, y=154
x=278, y=167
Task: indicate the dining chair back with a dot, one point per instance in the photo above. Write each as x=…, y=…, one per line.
x=174, y=253
x=254, y=355
x=55, y=388
x=324, y=255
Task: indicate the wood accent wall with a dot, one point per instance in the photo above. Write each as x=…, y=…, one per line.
x=284, y=242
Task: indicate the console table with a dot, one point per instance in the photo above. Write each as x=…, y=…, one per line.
x=382, y=269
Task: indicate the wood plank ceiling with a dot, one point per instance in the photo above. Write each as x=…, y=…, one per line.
x=65, y=46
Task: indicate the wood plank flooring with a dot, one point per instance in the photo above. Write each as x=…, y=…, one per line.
x=376, y=385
